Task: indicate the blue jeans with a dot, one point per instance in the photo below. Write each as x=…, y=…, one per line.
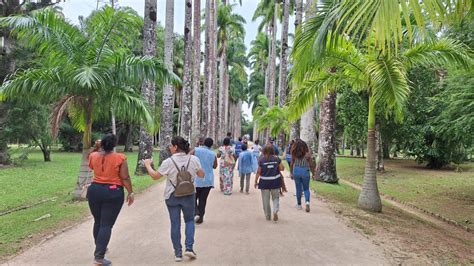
x=175, y=206
x=301, y=176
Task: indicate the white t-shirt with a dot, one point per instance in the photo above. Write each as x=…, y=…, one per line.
x=168, y=169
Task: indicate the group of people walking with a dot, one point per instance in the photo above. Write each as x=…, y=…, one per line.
x=189, y=180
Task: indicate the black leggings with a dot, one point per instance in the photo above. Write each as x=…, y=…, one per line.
x=201, y=199
x=105, y=202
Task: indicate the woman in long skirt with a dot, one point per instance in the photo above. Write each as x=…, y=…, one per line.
x=226, y=167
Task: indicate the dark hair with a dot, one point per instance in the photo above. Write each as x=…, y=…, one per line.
x=299, y=149
x=268, y=151
x=109, y=142
x=240, y=138
x=229, y=134
x=257, y=141
x=200, y=141
x=208, y=142
x=244, y=147
x=226, y=142
x=183, y=145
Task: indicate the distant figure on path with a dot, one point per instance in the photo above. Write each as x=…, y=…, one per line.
x=271, y=141
x=105, y=194
x=208, y=160
x=238, y=147
x=288, y=153
x=245, y=166
x=269, y=181
x=226, y=167
x=229, y=135
x=179, y=159
x=256, y=151
x=302, y=164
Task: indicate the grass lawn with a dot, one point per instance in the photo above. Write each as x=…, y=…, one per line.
x=445, y=191
x=36, y=180
x=407, y=239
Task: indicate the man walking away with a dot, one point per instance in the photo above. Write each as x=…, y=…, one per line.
x=246, y=161
x=208, y=160
x=238, y=147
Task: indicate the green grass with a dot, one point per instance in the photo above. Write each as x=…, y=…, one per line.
x=444, y=191
x=36, y=180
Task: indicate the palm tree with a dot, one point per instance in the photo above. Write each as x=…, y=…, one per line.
x=145, y=148
x=229, y=26
x=384, y=79
x=196, y=112
x=283, y=84
x=307, y=130
x=76, y=67
x=166, y=125
x=211, y=49
x=186, y=101
x=295, y=126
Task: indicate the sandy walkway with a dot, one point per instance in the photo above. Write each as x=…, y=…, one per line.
x=234, y=232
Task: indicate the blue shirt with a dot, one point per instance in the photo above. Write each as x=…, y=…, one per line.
x=206, y=157
x=246, y=160
x=238, y=147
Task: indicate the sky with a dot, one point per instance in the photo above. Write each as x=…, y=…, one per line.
x=72, y=9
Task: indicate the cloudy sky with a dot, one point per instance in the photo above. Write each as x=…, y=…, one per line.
x=75, y=8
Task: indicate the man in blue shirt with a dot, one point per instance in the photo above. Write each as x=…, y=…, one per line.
x=208, y=160
x=245, y=167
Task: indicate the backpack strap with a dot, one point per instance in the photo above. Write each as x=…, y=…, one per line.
x=187, y=165
x=177, y=168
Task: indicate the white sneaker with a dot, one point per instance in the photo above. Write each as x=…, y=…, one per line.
x=178, y=259
x=196, y=218
x=190, y=254
x=299, y=207
x=307, y=206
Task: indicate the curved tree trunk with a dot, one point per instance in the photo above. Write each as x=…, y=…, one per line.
x=369, y=198
x=85, y=174
x=186, y=108
x=148, y=87
x=326, y=168
x=166, y=127
x=196, y=112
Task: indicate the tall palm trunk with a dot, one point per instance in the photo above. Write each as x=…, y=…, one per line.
x=295, y=126
x=283, y=84
x=148, y=88
x=207, y=69
x=326, y=168
x=4, y=156
x=379, y=149
x=308, y=132
x=166, y=127
x=369, y=198
x=186, y=108
x=212, y=128
x=129, y=138
x=85, y=174
x=238, y=119
x=227, y=121
x=196, y=112
x=272, y=63
x=222, y=94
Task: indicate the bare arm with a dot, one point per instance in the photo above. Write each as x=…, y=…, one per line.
x=257, y=176
x=312, y=165
x=152, y=172
x=200, y=173
x=281, y=167
x=215, y=163
x=127, y=182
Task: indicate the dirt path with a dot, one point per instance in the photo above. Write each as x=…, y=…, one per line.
x=234, y=232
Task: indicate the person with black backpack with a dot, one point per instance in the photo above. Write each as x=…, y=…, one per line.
x=180, y=193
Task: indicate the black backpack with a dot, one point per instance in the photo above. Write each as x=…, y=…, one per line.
x=184, y=181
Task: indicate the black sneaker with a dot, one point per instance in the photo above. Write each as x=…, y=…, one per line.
x=190, y=254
